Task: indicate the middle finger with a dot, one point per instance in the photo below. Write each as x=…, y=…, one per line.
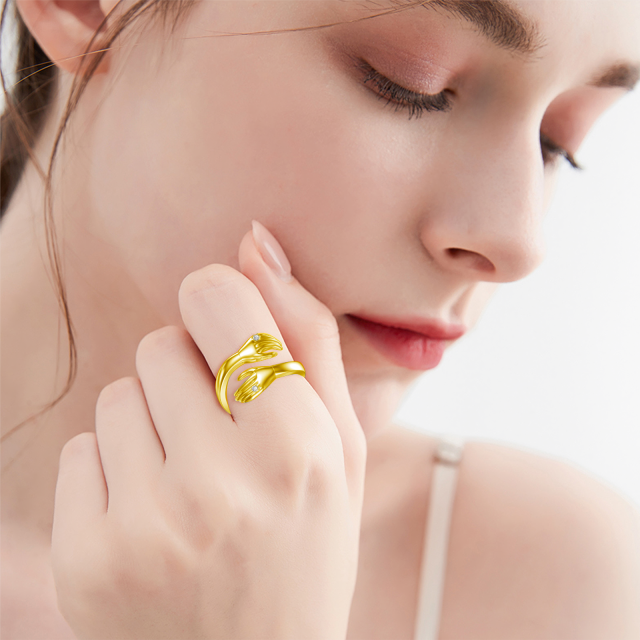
x=180, y=392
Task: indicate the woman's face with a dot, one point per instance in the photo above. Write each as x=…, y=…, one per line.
x=384, y=210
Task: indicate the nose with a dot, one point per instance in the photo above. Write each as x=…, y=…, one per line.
x=483, y=219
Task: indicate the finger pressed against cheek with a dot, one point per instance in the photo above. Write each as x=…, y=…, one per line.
x=313, y=336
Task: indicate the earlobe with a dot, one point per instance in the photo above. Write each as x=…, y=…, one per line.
x=64, y=28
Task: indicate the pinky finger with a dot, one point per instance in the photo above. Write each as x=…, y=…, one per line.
x=81, y=491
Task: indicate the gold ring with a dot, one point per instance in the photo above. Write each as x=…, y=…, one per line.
x=259, y=346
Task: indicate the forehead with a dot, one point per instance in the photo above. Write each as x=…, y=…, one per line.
x=595, y=41
x=607, y=25
x=592, y=40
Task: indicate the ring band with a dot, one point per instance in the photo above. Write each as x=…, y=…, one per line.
x=259, y=346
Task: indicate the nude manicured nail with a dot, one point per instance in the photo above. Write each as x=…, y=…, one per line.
x=271, y=251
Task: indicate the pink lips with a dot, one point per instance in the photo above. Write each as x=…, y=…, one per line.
x=412, y=345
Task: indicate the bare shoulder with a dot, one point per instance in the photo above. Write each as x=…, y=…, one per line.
x=539, y=549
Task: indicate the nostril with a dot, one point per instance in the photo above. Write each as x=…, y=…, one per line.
x=471, y=260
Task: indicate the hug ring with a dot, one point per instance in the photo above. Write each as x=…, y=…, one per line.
x=259, y=346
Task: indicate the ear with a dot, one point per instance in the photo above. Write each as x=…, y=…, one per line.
x=63, y=28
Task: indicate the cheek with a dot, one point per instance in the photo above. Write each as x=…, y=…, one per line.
x=550, y=184
x=180, y=175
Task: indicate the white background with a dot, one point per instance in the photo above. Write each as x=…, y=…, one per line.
x=553, y=365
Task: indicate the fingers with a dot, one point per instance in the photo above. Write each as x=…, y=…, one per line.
x=173, y=410
x=280, y=429
x=131, y=453
x=221, y=309
x=180, y=392
x=81, y=491
x=311, y=334
x=285, y=436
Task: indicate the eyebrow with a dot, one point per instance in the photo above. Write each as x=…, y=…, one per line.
x=510, y=29
x=621, y=74
x=499, y=21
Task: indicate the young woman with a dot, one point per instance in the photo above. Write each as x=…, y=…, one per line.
x=353, y=179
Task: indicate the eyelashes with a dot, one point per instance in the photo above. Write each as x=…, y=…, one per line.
x=402, y=99
x=551, y=151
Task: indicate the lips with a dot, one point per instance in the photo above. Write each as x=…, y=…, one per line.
x=412, y=345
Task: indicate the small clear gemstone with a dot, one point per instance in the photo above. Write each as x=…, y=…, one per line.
x=254, y=388
x=256, y=337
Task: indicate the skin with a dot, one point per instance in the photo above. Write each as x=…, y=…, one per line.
x=367, y=206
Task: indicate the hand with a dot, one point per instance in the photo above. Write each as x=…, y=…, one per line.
x=251, y=351
x=177, y=520
x=261, y=377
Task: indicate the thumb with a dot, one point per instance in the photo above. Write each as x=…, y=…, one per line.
x=311, y=333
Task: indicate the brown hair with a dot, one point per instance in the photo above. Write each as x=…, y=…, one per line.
x=28, y=103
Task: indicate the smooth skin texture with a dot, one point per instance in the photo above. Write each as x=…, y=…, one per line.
x=175, y=147
x=199, y=516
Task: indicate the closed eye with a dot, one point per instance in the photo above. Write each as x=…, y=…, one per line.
x=402, y=98
x=417, y=103
x=551, y=151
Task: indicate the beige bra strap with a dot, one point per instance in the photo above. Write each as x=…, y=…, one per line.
x=434, y=555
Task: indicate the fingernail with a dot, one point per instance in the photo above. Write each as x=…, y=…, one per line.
x=271, y=251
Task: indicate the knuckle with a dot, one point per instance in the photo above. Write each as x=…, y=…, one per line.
x=210, y=277
x=216, y=285
x=319, y=478
x=145, y=559
x=308, y=474
x=117, y=392
x=161, y=343
x=198, y=511
x=79, y=445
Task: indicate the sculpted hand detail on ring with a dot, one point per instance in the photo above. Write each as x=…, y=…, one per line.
x=258, y=347
x=261, y=377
